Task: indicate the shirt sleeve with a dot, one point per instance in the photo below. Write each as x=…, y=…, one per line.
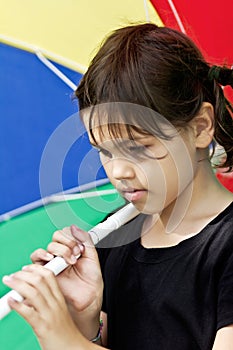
x=225, y=296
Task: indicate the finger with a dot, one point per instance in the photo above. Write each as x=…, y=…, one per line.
x=41, y=256
x=27, y=312
x=69, y=254
x=23, y=285
x=81, y=236
x=84, y=239
x=44, y=280
x=64, y=236
x=38, y=286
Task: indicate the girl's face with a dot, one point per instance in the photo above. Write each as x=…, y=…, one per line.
x=149, y=172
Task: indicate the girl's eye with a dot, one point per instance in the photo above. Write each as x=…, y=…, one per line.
x=104, y=153
x=137, y=149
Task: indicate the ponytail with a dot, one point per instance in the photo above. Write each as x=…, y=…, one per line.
x=222, y=76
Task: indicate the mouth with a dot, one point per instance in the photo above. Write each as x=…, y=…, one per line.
x=133, y=194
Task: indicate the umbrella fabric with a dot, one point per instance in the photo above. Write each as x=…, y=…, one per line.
x=209, y=23
x=70, y=30
x=33, y=103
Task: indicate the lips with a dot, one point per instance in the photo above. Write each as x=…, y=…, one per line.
x=132, y=194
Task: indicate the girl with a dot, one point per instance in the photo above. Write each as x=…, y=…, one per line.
x=154, y=108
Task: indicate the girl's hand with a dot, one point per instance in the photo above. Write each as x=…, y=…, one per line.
x=81, y=283
x=45, y=309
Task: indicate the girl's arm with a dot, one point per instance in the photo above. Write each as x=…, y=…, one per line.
x=224, y=339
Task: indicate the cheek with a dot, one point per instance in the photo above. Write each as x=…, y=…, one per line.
x=181, y=165
x=155, y=180
x=179, y=173
x=185, y=167
x=165, y=179
x=171, y=178
x=108, y=169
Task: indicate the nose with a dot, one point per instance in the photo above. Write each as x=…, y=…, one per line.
x=122, y=169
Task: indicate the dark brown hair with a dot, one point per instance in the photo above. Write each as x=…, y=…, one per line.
x=163, y=70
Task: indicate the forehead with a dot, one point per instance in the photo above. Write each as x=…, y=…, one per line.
x=115, y=132
x=101, y=127
x=98, y=118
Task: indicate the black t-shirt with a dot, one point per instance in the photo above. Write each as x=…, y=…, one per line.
x=168, y=298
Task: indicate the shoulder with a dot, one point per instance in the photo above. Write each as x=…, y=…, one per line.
x=226, y=216
x=222, y=225
x=218, y=237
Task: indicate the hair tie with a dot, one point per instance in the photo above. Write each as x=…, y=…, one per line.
x=222, y=75
x=213, y=73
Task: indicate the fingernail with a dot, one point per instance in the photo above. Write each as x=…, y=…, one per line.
x=7, y=278
x=12, y=301
x=76, y=228
x=49, y=256
x=73, y=259
x=81, y=247
x=25, y=267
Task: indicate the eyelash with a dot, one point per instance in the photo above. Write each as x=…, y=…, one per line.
x=132, y=150
x=137, y=148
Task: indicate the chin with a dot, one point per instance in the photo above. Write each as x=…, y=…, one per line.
x=149, y=209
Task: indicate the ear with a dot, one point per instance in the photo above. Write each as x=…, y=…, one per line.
x=203, y=125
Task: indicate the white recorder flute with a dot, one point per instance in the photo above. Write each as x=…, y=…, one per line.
x=97, y=233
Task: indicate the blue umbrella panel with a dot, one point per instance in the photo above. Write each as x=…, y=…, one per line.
x=34, y=104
